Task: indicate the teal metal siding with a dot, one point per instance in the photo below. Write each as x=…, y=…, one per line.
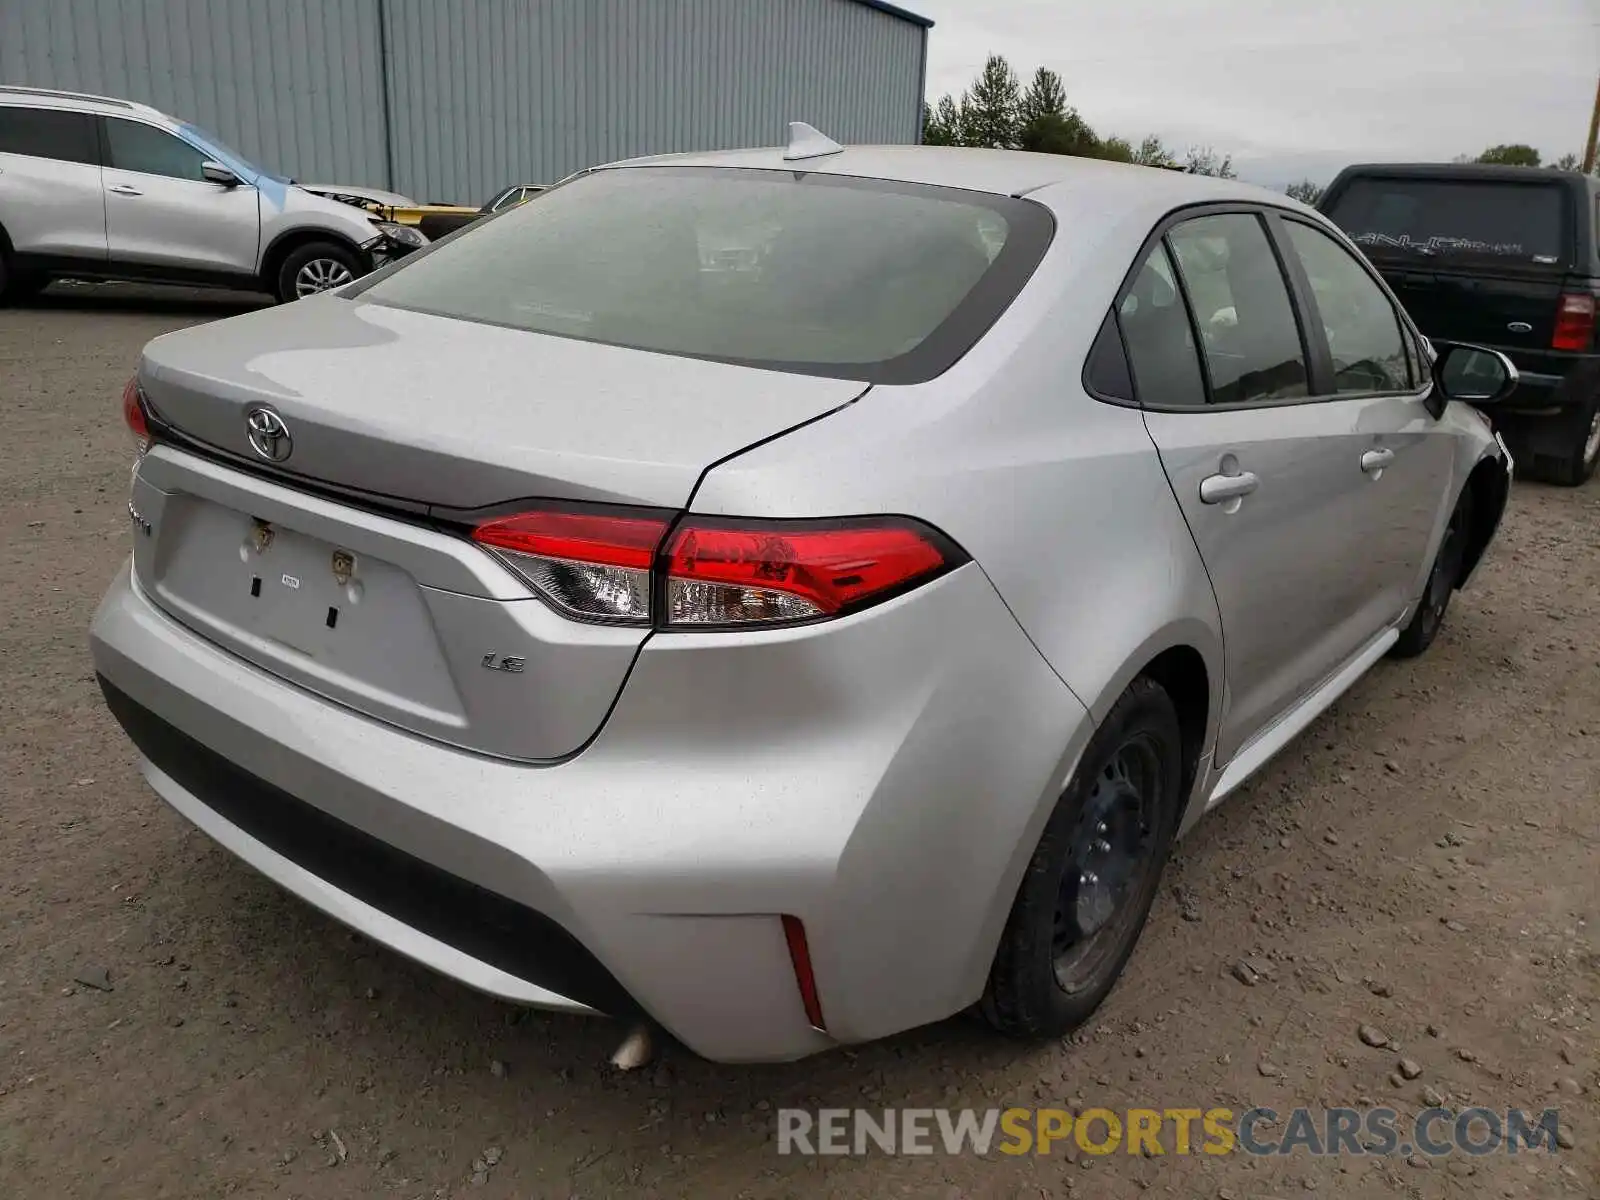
x=292, y=84
x=476, y=94
x=489, y=92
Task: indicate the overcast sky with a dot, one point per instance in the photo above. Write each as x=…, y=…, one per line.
x=1296, y=88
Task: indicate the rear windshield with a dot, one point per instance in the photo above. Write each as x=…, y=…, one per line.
x=826, y=275
x=1454, y=218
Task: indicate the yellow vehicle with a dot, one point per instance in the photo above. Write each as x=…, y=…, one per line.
x=389, y=206
x=434, y=220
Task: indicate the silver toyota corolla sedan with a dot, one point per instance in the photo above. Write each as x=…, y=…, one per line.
x=791, y=595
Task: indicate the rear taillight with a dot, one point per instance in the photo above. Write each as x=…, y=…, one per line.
x=722, y=572
x=1574, y=323
x=133, y=414
x=595, y=564
x=589, y=565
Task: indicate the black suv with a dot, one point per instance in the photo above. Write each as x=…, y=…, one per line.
x=1504, y=257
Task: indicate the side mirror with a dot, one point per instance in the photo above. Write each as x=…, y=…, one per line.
x=217, y=173
x=1473, y=374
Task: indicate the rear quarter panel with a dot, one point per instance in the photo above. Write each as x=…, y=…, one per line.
x=1060, y=498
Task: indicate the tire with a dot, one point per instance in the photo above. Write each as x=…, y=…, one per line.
x=304, y=267
x=1051, y=971
x=1426, y=622
x=21, y=288
x=1576, y=467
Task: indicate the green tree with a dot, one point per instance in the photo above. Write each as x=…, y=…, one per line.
x=1567, y=162
x=1203, y=160
x=941, y=123
x=1059, y=133
x=1305, y=191
x=1046, y=97
x=1115, y=149
x=1514, y=155
x=1152, y=153
x=989, y=110
x=949, y=117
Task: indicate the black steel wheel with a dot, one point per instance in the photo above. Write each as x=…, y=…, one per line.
x=1108, y=859
x=1426, y=622
x=1093, y=877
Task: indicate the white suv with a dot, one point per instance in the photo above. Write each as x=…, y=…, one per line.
x=92, y=187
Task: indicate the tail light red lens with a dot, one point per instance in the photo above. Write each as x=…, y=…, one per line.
x=133, y=414
x=1574, y=323
x=714, y=572
x=589, y=565
x=741, y=573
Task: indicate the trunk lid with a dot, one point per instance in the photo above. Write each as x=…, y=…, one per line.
x=459, y=414
x=400, y=617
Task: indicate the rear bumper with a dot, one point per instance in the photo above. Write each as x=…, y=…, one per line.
x=883, y=778
x=1541, y=393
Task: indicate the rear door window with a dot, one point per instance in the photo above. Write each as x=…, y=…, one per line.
x=1241, y=307
x=1447, y=219
x=1159, y=339
x=48, y=133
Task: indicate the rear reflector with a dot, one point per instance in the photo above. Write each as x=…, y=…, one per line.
x=588, y=565
x=594, y=564
x=800, y=955
x=730, y=572
x=1574, y=323
x=133, y=414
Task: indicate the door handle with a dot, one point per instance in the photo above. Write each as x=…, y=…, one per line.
x=124, y=189
x=1219, y=489
x=1374, y=461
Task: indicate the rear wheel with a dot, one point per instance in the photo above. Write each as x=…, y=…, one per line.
x=17, y=286
x=315, y=267
x=1425, y=623
x=1583, y=438
x=1092, y=879
x=25, y=286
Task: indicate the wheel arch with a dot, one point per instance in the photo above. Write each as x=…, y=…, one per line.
x=1182, y=673
x=1489, y=485
x=290, y=240
x=1186, y=659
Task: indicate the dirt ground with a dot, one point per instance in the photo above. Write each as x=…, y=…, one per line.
x=1428, y=855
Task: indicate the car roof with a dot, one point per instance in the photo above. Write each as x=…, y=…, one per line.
x=1002, y=172
x=1052, y=179
x=32, y=97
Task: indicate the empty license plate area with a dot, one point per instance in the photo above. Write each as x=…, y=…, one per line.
x=343, y=622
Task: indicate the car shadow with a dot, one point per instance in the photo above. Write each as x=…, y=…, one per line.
x=144, y=298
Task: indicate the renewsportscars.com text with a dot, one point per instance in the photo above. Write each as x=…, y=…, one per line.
x=1433, y=1132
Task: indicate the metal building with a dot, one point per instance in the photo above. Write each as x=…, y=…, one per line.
x=451, y=99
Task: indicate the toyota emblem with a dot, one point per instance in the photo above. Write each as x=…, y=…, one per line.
x=269, y=436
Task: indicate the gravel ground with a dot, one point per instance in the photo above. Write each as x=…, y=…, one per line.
x=1424, y=860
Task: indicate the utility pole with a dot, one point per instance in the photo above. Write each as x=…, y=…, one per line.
x=1594, y=133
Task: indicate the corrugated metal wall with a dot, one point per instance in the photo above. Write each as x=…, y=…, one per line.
x=293, y=84
x=480, y=92
x=489, y=92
